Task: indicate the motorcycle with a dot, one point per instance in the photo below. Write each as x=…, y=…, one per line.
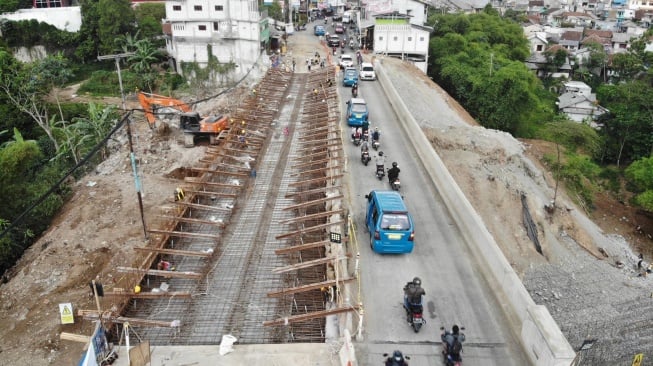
x=452, y=357
x=414, y=316
x=354, y=92
x=365, y=157
x=357, y=140
x=396, y=359
x=376, y=144
x=395, y=184
x=380, y=172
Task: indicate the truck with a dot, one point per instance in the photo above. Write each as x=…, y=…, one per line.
x=190, y=122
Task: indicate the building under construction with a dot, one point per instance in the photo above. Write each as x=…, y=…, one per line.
x=255, y=244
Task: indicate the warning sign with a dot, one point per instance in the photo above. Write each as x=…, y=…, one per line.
x=637, y=360
x=66, y=312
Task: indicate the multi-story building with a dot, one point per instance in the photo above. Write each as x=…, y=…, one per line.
x=229, y=30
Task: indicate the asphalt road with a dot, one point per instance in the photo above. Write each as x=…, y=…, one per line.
x=455, y=292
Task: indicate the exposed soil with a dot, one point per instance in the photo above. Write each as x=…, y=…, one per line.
x=97, y=229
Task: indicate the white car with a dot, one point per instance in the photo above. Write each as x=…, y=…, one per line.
x=367, y=71
x=346, y=61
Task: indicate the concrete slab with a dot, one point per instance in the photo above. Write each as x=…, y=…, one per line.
x=309, y=354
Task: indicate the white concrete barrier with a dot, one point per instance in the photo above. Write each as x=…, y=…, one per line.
x=532, y=324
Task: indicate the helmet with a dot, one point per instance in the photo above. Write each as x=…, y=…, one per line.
x=394, y=164
x=455, y=329
x=397, y=356
x=380, y=153
x=376, y=128
x=417, y=281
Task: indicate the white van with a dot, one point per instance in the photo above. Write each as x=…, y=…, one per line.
x=346, y=17
x=367, y=71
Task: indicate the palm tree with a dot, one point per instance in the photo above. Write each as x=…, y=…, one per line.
x=145, y=55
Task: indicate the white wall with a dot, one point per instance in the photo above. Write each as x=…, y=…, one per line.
x=68, y=18
x=391, y=38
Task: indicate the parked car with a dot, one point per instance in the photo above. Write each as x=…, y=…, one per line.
x=357, y=114
x=333, y=41
x=346, y=61
x=367, y=71
x=319, y=30
x=339, y=28
x=351, y=76
x=337, y=17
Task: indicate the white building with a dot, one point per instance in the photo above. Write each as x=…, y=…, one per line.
x=393, y=35
x=227, y=29
x=67, y=18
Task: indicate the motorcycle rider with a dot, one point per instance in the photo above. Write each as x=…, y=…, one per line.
x=393, y=173
x=413, y=293
x=354, y=90
x=376, y=135
x=397, y=359
x=452, y=341
x=380, y=162
x=365, y=147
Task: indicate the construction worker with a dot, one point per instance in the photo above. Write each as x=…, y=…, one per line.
x=179, y=194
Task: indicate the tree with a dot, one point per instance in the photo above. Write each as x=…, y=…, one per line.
x=26, y=88
x=627, y=66
x=115, y=17
x=145, y=55
x=640, y=174
x=148, y=19
x=88, y=48
x=274, y=11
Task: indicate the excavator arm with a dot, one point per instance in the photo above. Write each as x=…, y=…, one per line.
x=150, y=101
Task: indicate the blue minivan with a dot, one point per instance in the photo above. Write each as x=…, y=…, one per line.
x=357, y=113
x=389, y=223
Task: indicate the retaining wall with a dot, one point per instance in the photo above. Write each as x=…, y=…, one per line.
x=532, y=324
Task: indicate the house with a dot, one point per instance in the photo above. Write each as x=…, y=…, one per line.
x=570, y=40
x=621, y=42
x=579, y=104
x=394, y=35
x=203, y=29
x=57, y=13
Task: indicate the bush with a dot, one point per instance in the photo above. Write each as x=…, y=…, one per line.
x=578, y=173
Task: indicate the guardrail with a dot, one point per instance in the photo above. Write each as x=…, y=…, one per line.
x=532, y=324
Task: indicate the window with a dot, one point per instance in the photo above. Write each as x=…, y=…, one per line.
x=197, y=7
x=421, y=39
x=219, y=8
x=176, y=7
x=539, y=48
x=380, y=38
x=202, y=27
x=215, y=26
x=395, y=38
x=410, y=39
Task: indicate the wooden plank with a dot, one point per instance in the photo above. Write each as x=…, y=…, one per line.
x=308, y=230
x=211, y=193
x=74, y=337
x=183, y=234
x=92, y=315
x=312, y=216
x=306, y=173
x=307, y=264
x=313, y=191
x=309, y=287
x=295, y=248
x=195, y=180
x=203, y=207
x=314, y=154
x=220, y=172
x=321, y=179
x=324, y=145
x=313, y=202
x=149, y=295
x=309, y=316
x=314, y=162
x=160, y=273
x=191, y=220
x=319, y=142
x=188, y=253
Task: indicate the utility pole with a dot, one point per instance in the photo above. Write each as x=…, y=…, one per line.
x=117, y=57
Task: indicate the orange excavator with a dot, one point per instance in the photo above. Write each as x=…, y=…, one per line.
x=190, y=122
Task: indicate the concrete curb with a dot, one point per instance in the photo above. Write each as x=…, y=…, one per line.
x=540, y=336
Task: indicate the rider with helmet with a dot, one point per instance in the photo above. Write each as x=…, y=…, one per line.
x=380, y=162
x=413, y=293
x=397, y=359
x=354, y=90
x=376, y=135
x=393, y=173
x=452, y=341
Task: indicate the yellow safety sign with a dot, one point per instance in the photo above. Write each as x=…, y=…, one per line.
x=637, y=360
x=66, y=313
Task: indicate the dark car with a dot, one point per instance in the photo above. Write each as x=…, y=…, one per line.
x=339, y=29
x=337, y=17
x=333, y=41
